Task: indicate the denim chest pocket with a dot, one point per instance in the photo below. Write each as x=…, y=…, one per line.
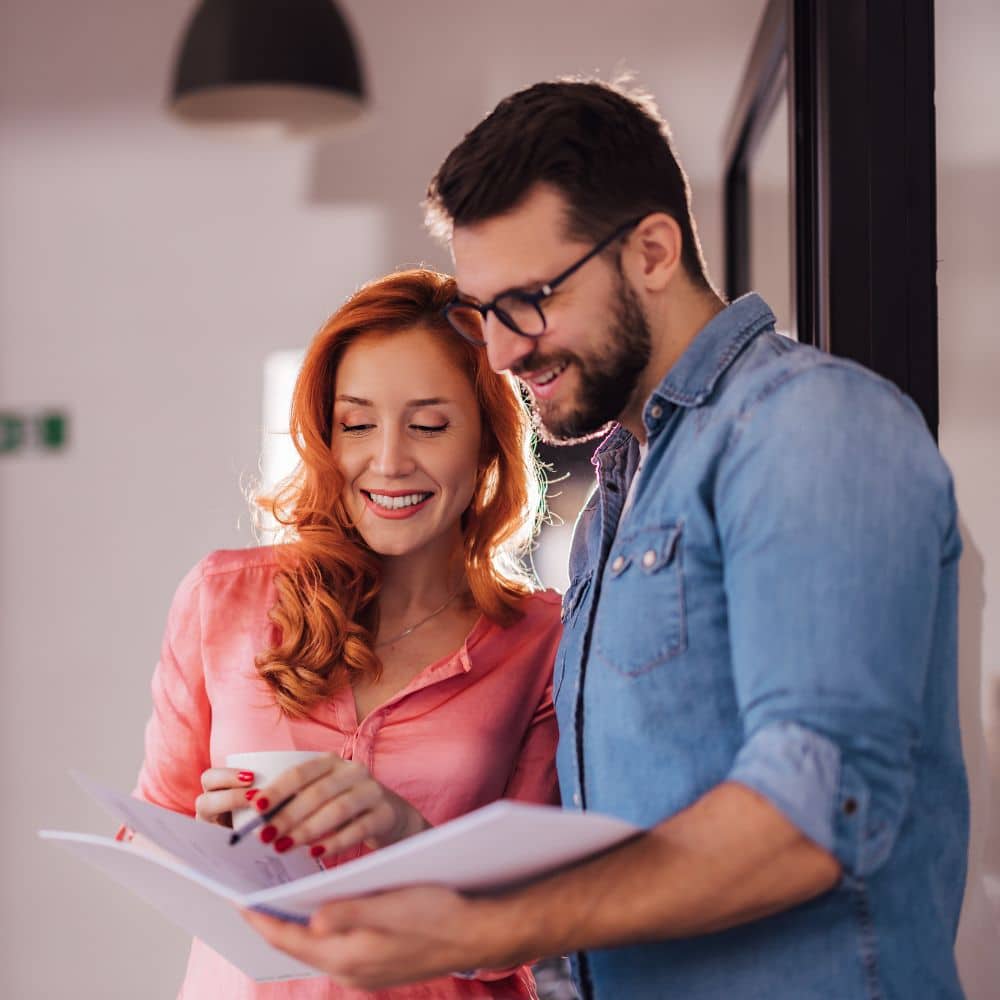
x=640, y=621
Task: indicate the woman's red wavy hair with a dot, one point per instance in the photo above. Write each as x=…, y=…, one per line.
x=328, y=580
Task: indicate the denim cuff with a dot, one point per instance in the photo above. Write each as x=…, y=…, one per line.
x=801, y=773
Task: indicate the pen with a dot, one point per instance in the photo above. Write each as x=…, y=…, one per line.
x=260, y=820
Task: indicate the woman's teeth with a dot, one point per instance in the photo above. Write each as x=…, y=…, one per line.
x=551, y=374
x=398, y=503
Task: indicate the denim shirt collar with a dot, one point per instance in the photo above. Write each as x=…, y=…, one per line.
x=695, y=373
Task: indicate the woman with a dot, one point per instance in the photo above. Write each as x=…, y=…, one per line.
x=395, y=629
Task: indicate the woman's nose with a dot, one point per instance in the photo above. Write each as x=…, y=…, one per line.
x=392, y=457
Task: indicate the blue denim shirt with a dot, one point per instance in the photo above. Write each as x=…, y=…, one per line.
x=777, y=608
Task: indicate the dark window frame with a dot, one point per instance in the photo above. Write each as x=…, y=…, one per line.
x=860, y=81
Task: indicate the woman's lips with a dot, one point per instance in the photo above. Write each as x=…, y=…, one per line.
x=396, y=513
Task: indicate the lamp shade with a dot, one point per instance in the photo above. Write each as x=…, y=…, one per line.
x=290, y=64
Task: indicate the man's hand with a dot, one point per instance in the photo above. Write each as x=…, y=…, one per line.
x=408, y=935
x=729, y=858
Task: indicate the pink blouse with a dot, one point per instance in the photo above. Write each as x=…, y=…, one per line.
x=475, y=726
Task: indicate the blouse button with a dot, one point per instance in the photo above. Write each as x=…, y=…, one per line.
x=850, y=806
x=618, y=565
x=648, y=558
x=656, y=411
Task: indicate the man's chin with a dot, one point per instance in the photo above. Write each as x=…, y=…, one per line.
x=560, y=431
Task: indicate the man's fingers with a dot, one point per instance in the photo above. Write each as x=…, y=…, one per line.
x=283, y=934
x=337, y=917
x=303, y=943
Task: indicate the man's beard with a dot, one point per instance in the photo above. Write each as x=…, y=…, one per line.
x=607, y=379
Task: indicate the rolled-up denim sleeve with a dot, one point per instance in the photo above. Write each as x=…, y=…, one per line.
x=836, y=515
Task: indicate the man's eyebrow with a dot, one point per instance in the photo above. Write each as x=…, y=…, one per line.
x=531, y=284
x=413, y=404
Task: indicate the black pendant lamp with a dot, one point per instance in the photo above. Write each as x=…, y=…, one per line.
x=285, y=64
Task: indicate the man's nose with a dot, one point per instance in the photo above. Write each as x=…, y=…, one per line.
x=393, y=457
x=504, y=348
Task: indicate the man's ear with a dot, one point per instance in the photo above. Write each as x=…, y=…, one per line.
x=653, y=252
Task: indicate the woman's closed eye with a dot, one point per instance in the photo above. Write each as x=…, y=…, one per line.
x=355, y=428
x=430, y=428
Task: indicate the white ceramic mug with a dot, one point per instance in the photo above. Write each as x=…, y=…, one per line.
x=266, y=766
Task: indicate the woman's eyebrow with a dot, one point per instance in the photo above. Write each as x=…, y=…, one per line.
x=432, y=401
x=414, y=404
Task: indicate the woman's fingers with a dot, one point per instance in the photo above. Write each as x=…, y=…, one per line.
x=224, y=789
x=225, y=777
x=295, y=779
x=322, y=804
x=216, y=807
x=333, y=805
x=334, y=813
x=374, y=828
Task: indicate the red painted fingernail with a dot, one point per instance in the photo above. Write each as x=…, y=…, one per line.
x=251, y=793
x=245, y=776
x=268, y=834
x=262, y=804
x=316, y=850
x=282, y=844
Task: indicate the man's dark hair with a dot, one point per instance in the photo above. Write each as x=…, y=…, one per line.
x=604, y=148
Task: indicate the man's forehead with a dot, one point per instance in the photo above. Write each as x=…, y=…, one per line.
x=516, y=249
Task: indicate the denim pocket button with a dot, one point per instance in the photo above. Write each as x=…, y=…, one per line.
x=639, y=622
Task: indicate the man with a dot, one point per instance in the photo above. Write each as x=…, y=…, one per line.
x=759, y=655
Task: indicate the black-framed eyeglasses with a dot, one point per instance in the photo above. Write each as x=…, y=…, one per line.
x=519, y=311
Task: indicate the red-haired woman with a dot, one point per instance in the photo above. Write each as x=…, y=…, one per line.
x=395, y=629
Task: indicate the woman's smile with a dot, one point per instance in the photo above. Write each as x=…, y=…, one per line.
x=396, y=504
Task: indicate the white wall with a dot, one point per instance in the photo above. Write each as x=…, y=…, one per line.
x=145, y=273
x=968, y=143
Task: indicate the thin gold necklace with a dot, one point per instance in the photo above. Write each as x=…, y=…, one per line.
x=412, y=628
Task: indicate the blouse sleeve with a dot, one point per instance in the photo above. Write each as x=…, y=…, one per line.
x=534, y=776
x=177, y=733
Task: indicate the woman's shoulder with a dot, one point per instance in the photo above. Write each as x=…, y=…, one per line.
x=224, y=562
x=541, y=608
x=226, y=568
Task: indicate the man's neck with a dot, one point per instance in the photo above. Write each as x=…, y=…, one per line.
x=673, y=329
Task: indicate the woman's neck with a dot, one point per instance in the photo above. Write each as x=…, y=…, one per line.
x=418, y=582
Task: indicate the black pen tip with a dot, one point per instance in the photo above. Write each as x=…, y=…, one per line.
x=234, y=838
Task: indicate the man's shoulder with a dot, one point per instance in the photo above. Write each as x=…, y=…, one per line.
x=774, y=366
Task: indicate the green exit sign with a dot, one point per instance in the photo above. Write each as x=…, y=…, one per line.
x=47, y=430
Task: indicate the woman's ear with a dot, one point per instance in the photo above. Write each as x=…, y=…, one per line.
x=652, y=254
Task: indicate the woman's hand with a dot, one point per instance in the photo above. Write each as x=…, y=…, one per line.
x=337, y=805
x=224, y=789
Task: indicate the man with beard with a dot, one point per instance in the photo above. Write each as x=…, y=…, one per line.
x=759, y=653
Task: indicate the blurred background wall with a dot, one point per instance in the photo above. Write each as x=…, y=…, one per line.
x=146, y=274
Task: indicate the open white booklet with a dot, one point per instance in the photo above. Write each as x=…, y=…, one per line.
x=198, y=881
